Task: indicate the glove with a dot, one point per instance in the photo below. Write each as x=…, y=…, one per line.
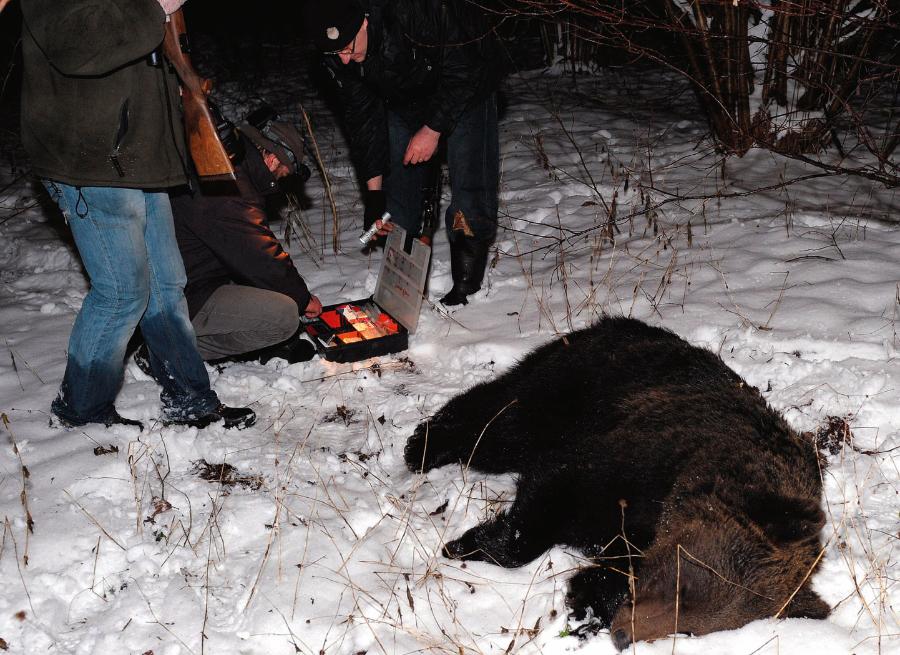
x=375, y=204
x=171, y=6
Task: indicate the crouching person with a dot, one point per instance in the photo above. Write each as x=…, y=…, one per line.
x=244, y=294
x=98, y=119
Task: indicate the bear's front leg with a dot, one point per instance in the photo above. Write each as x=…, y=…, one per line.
x=531, y=526
x=459, y=433
x=432, y=445
x=499, y=542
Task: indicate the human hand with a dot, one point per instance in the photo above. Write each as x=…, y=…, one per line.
x=169, y=6
x=383, y=228
x=3, y=4
x=421, y=146
x=313, y=308
x=378, y=229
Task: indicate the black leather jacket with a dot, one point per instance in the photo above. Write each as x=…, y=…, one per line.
x=427, y=60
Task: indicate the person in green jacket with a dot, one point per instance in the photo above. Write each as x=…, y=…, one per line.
x=102, y=127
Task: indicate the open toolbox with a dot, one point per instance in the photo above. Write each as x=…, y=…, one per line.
x=355, y=330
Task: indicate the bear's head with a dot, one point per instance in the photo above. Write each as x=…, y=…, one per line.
x=714, y=567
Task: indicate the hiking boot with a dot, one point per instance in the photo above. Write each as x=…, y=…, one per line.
x=468, y=259
x=292, y=351
x=232, y=417
x=296, y=350
x=115, y=418
x=111, y=419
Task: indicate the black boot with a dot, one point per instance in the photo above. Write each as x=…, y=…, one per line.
x=111, y=419
x=115, y=418
x=231, y=417
x=468, y=259
x=292, y=351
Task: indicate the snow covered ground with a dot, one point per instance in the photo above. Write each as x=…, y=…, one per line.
x=326, y=543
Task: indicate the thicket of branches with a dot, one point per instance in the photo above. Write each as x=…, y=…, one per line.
x=797, y=77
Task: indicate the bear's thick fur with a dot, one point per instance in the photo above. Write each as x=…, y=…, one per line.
x=648, y=455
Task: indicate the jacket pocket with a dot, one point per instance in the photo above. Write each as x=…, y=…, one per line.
x=121, y=131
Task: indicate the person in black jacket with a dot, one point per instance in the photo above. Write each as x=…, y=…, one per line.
x=244, y=294
x=413, y=73
x=102, y=128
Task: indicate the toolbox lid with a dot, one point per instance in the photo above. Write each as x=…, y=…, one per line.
x=401, y=279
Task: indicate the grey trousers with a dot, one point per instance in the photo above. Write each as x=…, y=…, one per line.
x=238, y=319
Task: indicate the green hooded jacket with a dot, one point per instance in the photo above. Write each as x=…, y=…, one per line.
x=95, y=111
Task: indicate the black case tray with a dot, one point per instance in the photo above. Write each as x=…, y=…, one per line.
x=319, y=331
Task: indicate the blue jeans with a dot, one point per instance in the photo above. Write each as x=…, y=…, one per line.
x=126, y=240
x=473, y=160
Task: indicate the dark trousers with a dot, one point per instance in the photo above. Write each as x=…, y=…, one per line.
x=238, y=319
x=473, y=160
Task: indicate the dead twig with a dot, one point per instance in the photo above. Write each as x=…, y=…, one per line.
x=23, y=494
x=7, y=529
x=336, y=231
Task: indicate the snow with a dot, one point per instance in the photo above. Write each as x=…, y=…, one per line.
x=331, y=545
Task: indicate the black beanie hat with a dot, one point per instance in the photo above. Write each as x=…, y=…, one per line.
x=332, y=24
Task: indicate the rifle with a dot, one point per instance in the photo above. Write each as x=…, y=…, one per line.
x=431, y=199
x=209, y=155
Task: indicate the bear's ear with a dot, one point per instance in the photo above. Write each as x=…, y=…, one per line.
x=806, y=604
x=784, y=518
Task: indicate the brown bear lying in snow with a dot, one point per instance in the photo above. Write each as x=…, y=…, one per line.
x=659, y=463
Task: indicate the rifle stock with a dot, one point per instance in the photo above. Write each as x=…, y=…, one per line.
x=207, y=152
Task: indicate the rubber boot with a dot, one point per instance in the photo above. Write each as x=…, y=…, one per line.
x=468, y=259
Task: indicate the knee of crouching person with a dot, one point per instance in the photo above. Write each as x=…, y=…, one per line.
x=285, y=318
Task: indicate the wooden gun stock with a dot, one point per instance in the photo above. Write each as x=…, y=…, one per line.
x=209, y=155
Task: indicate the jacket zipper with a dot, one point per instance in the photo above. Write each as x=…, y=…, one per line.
x=120, y=136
